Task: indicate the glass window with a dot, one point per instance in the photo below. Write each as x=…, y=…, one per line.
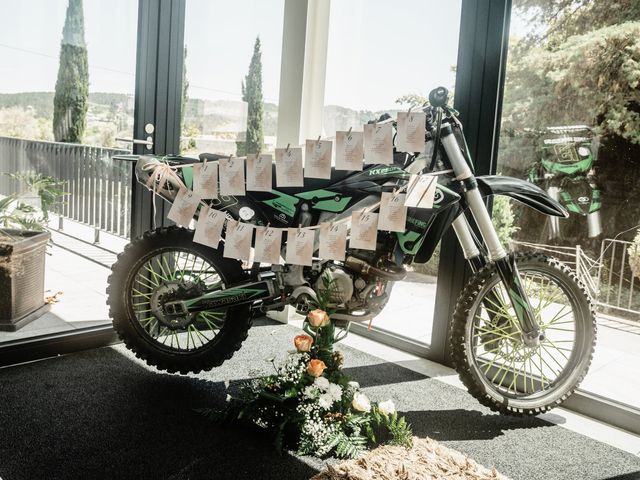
x=381, y=59
x=570, y=124
x=233, y=74
x=67, y=80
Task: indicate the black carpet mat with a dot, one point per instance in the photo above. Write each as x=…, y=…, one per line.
x=100, y=414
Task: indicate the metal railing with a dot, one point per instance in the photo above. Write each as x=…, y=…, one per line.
x=99, y=189
x=619, y=288
x=608, y=279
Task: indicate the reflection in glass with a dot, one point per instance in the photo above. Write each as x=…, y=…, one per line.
x=570, y=125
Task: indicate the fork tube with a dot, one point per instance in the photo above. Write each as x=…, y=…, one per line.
x=505, y=265
x=474, y=199
x=467, y=242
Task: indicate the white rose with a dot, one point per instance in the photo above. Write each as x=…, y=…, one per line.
x=354, y=385
x=361, y=403
x=322, y=383
x=387, y=408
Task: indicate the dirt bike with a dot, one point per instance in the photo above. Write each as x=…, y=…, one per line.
x=566, y=171
x=523, y=329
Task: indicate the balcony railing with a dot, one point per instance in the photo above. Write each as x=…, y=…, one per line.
x=99, y=188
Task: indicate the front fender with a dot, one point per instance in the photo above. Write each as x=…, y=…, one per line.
x=525, y=192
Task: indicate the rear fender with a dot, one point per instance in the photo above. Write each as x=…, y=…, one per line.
x=525, y=192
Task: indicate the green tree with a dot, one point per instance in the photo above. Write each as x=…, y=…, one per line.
x=252, y=94
x=578, y=65
x=72, y=86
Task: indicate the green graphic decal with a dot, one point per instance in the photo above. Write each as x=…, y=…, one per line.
x=326, y=200
x=187, y=174
x=518, y=303
x=284, y=203
x=417, y=222
x=231, y=294
x=386, y=171
x=410, y=241
x=567, y=168
x=595, y=201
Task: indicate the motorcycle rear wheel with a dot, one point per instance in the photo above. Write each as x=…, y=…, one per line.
x=166, y=265
x=497, y=368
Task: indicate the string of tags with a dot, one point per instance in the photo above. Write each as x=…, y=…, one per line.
x=329, y=239
x=374, y=145
x=237, y=175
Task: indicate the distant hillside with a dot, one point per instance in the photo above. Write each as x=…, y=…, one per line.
x=209, y=117
x=42, y=102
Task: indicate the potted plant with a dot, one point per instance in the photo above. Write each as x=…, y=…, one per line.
x=23, y=242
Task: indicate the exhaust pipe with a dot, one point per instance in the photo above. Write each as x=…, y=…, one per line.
x=365, y=268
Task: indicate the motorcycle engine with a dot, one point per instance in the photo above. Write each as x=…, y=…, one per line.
x=341, y=289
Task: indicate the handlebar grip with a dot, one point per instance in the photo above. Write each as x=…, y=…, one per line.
x=438, y=97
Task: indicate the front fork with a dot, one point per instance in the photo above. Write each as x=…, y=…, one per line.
x=505, y=264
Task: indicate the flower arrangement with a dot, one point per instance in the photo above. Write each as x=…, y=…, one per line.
x=310, y=405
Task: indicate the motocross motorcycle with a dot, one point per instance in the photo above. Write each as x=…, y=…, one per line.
x=566, y=171
x=523, y=329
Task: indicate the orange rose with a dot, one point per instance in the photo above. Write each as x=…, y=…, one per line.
x=303, y=343
x=318, y=318
x=316, y=367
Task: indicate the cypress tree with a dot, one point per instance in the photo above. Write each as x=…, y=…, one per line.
x=72, y=86
x=252, y=94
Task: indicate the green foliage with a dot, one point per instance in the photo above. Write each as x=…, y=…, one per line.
x=48, y=188
x=392, y=429
x=581, y=65
x=16, y=214
x=348, y=446
x=72, y=86
x=312, y=415
x=503, y=219
x=252, y=94
x=412, y=100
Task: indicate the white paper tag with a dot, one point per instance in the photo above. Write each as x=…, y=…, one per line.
x=209, y=227
x=317, y=160
x=364, y=230
x=349, y=150
x=378, y=143
x=393, y=213
x=421, y=191
x=300, y=246
x=237, y=243
x=289, y=167
x=184, y=207
x=205, y=179
x=411, y=132
x=333, y=241
x=268, y=245
x=259, y=172
x=232, y=176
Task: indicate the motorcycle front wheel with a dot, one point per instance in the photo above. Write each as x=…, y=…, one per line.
x=165, y=265
x=493, y=362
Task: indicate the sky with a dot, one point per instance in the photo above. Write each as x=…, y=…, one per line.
x=378, y=49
